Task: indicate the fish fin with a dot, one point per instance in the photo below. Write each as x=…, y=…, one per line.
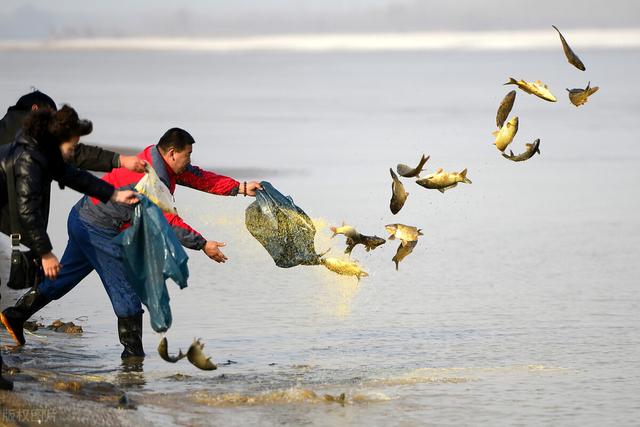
x=538, y=149
x=333, y=229
x=588, y=86
x=420, y=232
x=441, y=190
x=396, y=261
x=392, y=237
x=495, y=132
x=511, y=153
x=439, y=170
x=556, y=28
x=593, y=90
x=511, y=81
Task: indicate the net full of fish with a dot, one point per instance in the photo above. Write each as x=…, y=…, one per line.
x=282, y=228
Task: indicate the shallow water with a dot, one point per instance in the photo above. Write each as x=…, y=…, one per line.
x=518, y=306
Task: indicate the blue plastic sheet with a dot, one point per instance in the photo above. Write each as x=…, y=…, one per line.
x=285, y=231
x=153, y=254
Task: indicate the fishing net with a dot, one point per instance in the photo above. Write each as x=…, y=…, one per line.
x=282, y=228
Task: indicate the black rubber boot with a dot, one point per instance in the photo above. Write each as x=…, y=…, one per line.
x=5, y=384
x=130, y=333
x=13, y=318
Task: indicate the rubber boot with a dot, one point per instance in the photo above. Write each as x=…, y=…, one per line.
x=5, y=384
x=130, y=333
x=13, y=318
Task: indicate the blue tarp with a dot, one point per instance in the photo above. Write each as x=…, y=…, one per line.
x=285, y=231
x=153, y=254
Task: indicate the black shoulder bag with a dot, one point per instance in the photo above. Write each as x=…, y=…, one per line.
x=26, y=267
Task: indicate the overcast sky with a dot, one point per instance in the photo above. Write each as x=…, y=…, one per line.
x=21, y=19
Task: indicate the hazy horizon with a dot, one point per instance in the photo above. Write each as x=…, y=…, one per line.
x=77, y=19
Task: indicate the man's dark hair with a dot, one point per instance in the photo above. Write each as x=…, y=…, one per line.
x=175, y=138
x=36, y=97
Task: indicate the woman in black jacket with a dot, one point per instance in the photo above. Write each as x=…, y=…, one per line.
x=40, y=155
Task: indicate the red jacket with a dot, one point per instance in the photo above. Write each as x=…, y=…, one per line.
x=193, y=177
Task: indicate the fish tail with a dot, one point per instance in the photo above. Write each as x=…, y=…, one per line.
x=463, y=174
x=511, y=81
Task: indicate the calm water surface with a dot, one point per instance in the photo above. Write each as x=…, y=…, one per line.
x=519, y=306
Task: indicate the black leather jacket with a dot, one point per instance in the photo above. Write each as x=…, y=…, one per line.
x=33, y=176
x=87, y=157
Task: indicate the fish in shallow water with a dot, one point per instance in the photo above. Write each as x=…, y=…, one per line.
x=345, y=229
x=345, y=268
x=569, y=53
x=369, y=242
x=409, y=172
x=403, y=251
x=443, y=181
x=536, y=88
x=163, y=351
x=505, y=108
x=505, y=135
x=398, y=194
x=580, y=96
x=198, y=358
x=405, y=233
x=528, y=153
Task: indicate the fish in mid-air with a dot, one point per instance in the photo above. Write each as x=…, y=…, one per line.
x=505, y=108
x=198, y=359
x=403, y=251
x=505, y=135
x=398, y=194
x=443, y=181
x=409, y=172
x=536, y=88
x=345, y=229
x=580, y=96
x=345, y=268
x=164, y=352
x=528, y=153
x=404, y=233
x=369, y=242
x=569, y=53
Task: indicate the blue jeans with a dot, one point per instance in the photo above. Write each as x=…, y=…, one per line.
x=92, y=248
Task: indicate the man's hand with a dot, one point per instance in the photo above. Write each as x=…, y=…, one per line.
x=133, y=163
x=212, y=249
x=50, y=265
x=125, y=197
x=252, y=186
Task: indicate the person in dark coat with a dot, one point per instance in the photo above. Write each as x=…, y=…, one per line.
x=87, y=157
x=41, y=154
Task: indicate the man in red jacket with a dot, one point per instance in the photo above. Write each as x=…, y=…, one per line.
x=92, y=227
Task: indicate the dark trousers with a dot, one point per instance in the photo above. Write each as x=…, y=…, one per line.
x=92, y=248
